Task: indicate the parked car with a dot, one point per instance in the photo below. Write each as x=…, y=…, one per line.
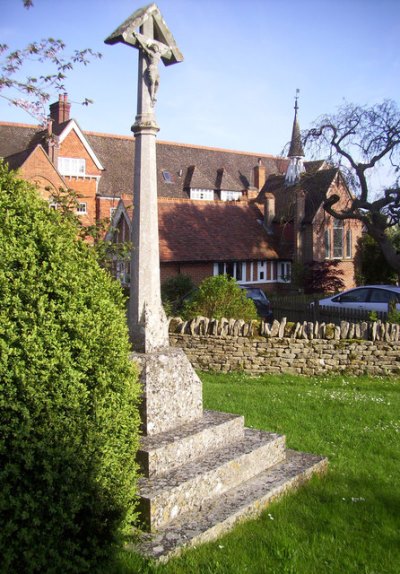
x=261, y=302
x=367, y=298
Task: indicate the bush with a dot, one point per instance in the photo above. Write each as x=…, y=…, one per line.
x=218, y=297
x=68, y=395
x=173, y=293
x=323, y=277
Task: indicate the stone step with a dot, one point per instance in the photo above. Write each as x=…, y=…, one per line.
x=187, y=488
x=217, y=516
x=163, y=452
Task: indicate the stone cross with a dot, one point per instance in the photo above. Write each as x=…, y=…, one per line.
x=146, y=31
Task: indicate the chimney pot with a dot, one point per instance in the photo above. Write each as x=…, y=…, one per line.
x=59, y=111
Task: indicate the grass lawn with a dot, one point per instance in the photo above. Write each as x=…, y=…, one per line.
x=347, y=521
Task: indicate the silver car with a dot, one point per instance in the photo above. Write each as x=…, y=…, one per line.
x=367, y=297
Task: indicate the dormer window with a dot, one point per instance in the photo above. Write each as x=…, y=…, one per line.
x=72, y=166
x=231, y=195
x=204, y=194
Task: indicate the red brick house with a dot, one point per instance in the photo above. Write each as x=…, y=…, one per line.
x=220, y=211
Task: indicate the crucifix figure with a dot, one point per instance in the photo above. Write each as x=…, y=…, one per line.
x=153, y=51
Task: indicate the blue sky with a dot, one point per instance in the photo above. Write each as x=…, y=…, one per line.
x=243, y=60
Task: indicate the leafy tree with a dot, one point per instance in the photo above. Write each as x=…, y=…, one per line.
x=107, y=252
x=362, y=141
x=323, y=277
x=68, y=394
x=173, y=293
x=218, y=297
x=32, y=93
x=374, y=268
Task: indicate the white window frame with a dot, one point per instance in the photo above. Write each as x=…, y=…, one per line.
x=201, y=194
x=338, y=236
x=261, y=271
x=82, y=208
x=72, y=166
x=284, y=272
x=239, y=269
x=230, y=195
x=266, y=271
x=327, y=243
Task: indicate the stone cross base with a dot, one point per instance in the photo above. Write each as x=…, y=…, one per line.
x=171, y=390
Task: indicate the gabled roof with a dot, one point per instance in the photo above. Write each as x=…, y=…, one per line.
x=20, y=138
x=195, y=179
x=225, y=182
x=315, y=185
x=70, y=126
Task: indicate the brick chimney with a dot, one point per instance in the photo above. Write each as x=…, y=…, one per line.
x=59, y=111
x=259, y=175
x=300, y=211
x=269, y=211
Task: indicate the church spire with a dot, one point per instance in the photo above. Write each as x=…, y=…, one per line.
x=296, y=152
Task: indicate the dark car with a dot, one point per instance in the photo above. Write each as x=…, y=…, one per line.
x=261, y=302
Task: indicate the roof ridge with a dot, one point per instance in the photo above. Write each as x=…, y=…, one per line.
x=20, y=125
x=188, y=145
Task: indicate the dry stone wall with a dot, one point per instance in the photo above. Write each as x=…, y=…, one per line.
x=373, y=348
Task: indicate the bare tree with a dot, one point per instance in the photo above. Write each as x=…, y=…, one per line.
x=362, y=141
x=32, y=93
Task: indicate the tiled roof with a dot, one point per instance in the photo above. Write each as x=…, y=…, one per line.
x=188, y=166
x=226, y=182
x=15, y=160
x=214, y=231
x=15, y=138
x=315, y=184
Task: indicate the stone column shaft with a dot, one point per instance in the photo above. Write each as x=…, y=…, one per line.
x=147, y=320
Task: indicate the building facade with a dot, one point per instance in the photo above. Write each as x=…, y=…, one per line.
x=251, y=216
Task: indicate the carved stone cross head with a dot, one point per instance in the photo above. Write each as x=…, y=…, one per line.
x=160, y=41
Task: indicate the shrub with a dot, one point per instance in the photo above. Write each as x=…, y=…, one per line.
x=173, y=293
x=68, y=395
x=218, y=297
x=323, y=277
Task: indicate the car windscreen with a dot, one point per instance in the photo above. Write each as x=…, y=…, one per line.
x=256, y=294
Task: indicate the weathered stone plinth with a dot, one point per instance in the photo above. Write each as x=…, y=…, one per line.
x=172, y=392
x=202, y=478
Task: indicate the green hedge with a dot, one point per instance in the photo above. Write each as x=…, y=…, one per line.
x=68, y=395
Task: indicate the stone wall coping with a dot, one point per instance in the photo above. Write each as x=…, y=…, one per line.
x=361, y=331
